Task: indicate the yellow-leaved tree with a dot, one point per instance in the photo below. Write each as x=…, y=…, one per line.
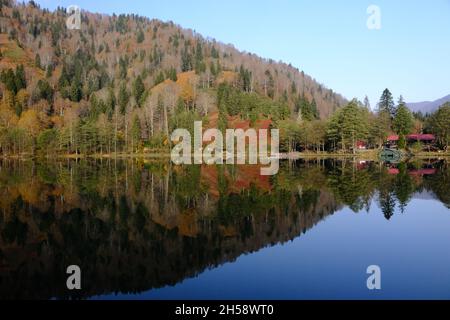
x=31, y=122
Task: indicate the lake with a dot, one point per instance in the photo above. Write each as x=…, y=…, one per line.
x=146, y=229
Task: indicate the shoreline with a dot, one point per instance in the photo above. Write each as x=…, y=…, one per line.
x=364, y=155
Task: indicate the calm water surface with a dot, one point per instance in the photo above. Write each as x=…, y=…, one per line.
x=149, y=230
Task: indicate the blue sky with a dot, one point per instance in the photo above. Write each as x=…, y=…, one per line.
x=329, y=40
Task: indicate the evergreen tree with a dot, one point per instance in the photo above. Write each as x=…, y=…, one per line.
x=366, y=102
x=44, y=91
x=123, y=68
x=213, y=69
x=245, y=79
x=14, y=81
x=138, y=90
x=9, y=80
x=348, y=126
x=186, y=61
x=199, y=65
x=314, y=110
x=37, y=61
x=110, y=103
x=306, y=109
x=64, y=77
x=20, y=78
x=123, y=99
x=440, y=125
x=269, y=85
x=140, y=36
x=135, y=134
x=49, y=71
x=214, y=53
x=172, y=74
x=96, y=107
x=159, y=78
x=387, y=103
x=76, y=92
x=403, y=121
x=380, y=128
x=293, y=88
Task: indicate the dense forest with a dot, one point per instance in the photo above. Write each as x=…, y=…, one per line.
x=122, y=83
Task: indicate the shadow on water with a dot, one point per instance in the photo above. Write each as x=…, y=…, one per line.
x=132, y=226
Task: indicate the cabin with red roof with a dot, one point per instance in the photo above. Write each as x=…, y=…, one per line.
x=424, y=138
x=361, y=145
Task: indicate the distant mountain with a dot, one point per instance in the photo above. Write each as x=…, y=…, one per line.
x=428, y=106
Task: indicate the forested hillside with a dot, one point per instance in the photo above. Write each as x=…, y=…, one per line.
x=123, y=81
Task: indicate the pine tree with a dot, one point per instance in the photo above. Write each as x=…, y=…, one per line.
x=37, y=61
x=349, y=125
x=213, y=69
x=123, y=68
x=306, y=109
x=387, y=103
x=123, y=99
x=140, y=36
x=138, y=90
x=49, y=71
x=366, y=102
x=198, y=56
x=159, y=78
x=172, y=74
x=186, y=61
x=110, y=103
x=135, y=134
x=269, y=85
x=440, y=125
x=9, y=79
x=64, y=77
x=43, y=91
x=76, y=93
x=380, y=128
x=214, y=53
x=403, y=121
x=314, y=110
x=20, y=78
x=245, y=79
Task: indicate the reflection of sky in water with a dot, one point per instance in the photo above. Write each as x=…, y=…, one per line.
x=330, y=261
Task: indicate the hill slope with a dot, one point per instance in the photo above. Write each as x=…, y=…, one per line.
x=122, y=73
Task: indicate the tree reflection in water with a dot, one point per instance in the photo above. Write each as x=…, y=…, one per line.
x=136, y=225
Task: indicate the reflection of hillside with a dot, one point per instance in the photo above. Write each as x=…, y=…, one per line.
x=240, y=177
x=132, y=228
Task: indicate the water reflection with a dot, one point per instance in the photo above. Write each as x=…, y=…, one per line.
x=136, y=225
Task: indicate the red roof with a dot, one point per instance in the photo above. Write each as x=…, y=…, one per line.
x=393, y=171
x=361, y=143
x=419, y=137
x=392, y=138
x=422, y=137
